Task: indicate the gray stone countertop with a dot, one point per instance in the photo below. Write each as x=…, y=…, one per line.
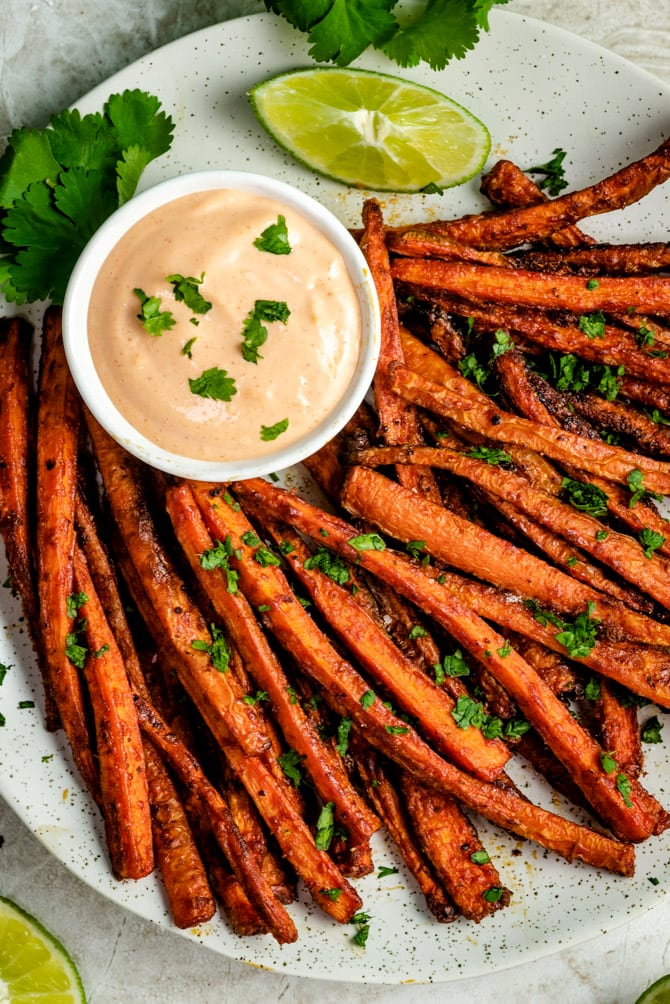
x=52, y=52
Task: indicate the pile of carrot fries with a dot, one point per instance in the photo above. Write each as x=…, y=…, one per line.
x=252, y=685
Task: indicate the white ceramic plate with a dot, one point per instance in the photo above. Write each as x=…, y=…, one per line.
x=537, y=88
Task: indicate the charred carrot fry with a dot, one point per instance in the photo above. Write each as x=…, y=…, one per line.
x=213, y=691
x=226, y=833
x=384, y=796
x=321, y=761
x=616, y=550
x=648, y=436
x=617, y=347
x=181, y=866
x=373, y=649
x=619, y=729
x=398, y=422
x=513, y=227
x=57, y=432
x=17, y=473
x=455, y=852
x=574, y=747
x=507, y=187
x=418, y=244
x=599, y=259
x=610, y=462
x=123, y=781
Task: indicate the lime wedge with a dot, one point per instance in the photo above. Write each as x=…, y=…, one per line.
x=371, y=130
x=657, y=993
x=34, y=966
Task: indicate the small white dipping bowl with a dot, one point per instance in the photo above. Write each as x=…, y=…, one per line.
x=96, y=397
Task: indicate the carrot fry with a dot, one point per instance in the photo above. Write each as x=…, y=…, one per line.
x=398, y=422
x=181, y=867
x=57, y=431
x=321, y=761
x=455, y=852
x=123, y=781
x=183, y=624
x=524, y=288
x=619, y=729
x=226, y=833
x=17, y=460
x=418, y=244
x=375, y=651
x=611, y=462
x=648, y=436
x=387, y=803
x=552, y=720
x=599, y=259
x=616, y=550
x=513, y=227
x=507, y=187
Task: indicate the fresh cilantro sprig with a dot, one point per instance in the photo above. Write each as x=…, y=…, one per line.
x=553, y=172
x=340, y=30
x=59, y=184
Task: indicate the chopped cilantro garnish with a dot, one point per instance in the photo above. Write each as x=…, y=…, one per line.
x=218, y=557
x=593, y=325
x=368, y=542
x=651, y=540
x=554, y=173
x=385, y=870
x=186, y=291
x=651, y=731
x=480, y=857
x=362, y=923
x=325, y=827
x=187, y=349
x=260, y=695
x=417, y=631
x=367, y=698
x=635, y=481
x=451, y=665
x=330, y=564
x=270, y=432
x=493, y=894
x=489, y=454
x=215, y=384
x=290, y=763
x=624, y=789
x=73, y=603
x=154, y=320
x=584, y=496
x=333, y=893
x=218, y=649
x=578, y=637
x=343, y=730
x=608, y=762
x=274, y=239
x=264, y=556
x=254, y=332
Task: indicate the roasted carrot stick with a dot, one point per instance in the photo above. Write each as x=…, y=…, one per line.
x=508, y=187
x=579, y=753
x=618, y=551
x=457, y=855
x=225, y=831
x=186, y=884
x=214, y=692
x=57, y=432
x=17, y=473
x=321, y=761
x=610, y=462
x=619, y=729
x=398, y=422
x=513, y=227
x=386, y=799
x=372, y=649
x=123, y=781
x=524, y=288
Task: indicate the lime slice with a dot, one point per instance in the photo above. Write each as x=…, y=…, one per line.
x=371, y=130
x=34, y=966
x=657, y=993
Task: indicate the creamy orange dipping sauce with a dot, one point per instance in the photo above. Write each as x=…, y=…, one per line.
x=307, y=362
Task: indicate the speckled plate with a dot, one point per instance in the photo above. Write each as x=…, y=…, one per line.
x=537, y=88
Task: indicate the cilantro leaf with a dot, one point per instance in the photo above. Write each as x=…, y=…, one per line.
x=154, y=320
x=444, y=30
x=59, y=184
x=330, y=564
x=270, y=432
x=325, y=827
x=349, y=27
x=186, y=291
x=213, y=383
x=274, y=239
x=554, y=173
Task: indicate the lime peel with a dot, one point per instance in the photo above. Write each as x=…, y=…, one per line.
x=657, y=993
x=33, y=963
x=371, y=130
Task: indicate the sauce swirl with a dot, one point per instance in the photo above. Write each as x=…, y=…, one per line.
x=303, y=366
